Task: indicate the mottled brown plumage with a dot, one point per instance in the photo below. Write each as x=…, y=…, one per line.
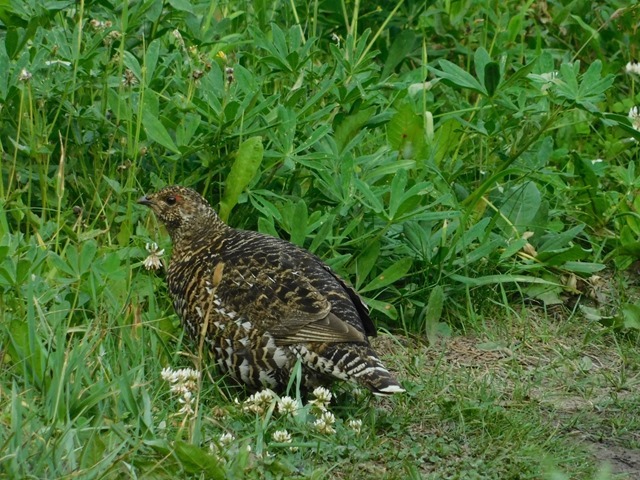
x=266, y=302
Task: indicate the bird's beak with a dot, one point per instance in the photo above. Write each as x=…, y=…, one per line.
x=144, y=200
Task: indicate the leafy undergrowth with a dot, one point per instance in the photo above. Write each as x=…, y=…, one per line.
x=470, y=167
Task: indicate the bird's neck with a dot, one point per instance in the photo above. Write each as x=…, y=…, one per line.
x=204, y=230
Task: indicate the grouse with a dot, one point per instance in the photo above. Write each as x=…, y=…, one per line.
x=265, y=303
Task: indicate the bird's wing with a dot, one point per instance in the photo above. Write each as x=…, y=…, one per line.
x=297, y=311
x=361, y=307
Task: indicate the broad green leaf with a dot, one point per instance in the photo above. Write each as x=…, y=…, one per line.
x=522, y=72
x=244, y=168
x=287, y=121
x=151, y=59
x=316, y=135
x=157, y=132
x=471, y=235
x=299, y=223
x=365, y=262
x=480, y=60
x=446, y=139
x=597, y=204
x=410, y=199
x=520, y=208
x=60, y=264
x=583, y=267
x=594, y=85
x=515, y=27
x=350, y=126
x=453, y=74
x=562, y=255
x=484, y=250
x=396, y=195
x=114, y=184
x=25, y=347
x=554, y=241
x=389, y=275
x=433, y=312
x=259, y=202
x=513, y=248
x=491, y=77
x=87, y=255
x=14, y=40
x=187, y=128
x=182, y=5
x=547, y=294
x=384, y=307
x=323, y=232
x=372, y=200
x=405, y=132
x=266, y=225
x=402, y=45
x=131, y=62
x=197, y=460
x=4, y=67
x=587, y=91
x=631, y=316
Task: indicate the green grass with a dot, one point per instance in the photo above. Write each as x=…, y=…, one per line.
x=488, y=216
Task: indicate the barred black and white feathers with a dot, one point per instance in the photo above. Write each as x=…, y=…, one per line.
x=265, y=302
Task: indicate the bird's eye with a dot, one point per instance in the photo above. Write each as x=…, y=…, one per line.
x=171, y=200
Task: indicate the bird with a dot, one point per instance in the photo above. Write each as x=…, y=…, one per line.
x=264, y=303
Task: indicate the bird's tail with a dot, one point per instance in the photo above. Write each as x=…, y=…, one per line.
x=357, y=363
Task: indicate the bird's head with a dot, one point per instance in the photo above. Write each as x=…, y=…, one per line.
x=182, y=210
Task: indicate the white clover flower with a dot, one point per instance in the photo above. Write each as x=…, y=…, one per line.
x=167, y=375
x=226, y=438
x=324, y=424
x=287, y=406
x=322, y=394
x=355, y=425
x=184, y=383
x=632, y=68
x=281, y=436
x=188, y=375
x=25, y=75
x=153, y=262
x=634, y=116
x=187, y=401
x=323, y=397
x=328, y=418
x=259, y=402
x=179, y=388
